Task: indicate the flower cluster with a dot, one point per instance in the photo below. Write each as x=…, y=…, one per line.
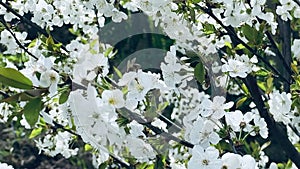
x=280, y=106
x=57, y=144
x=239, y=66
x=142, y=116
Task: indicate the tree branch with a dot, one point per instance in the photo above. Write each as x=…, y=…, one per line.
x=133, y=116
x=234, y=35
x=285, y=37
x=276, y=130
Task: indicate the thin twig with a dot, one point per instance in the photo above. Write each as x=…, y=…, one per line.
x=294, y=130
x=234, y=35
x=122, y=163
x=16, y=39
x=29, y=22
x=133, y=116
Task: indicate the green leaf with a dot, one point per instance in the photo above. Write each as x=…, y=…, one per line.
x=109, y=51
x=262, y=72
x=209, y=28
x=14, y=78
x=255, y=37
x=289, y=164
x=228, y=44
x=269, y=84
x=193, y=13
x=162, y=106
x=32, y=110
x=88, y=147
x=32, y=43
x=265, y=145
x=118, y=72
x=249, y=32
x=262, y=85
x=241, y=101
x=199, y=72
x=122, y=121
x=245, y=89
x=50, y=43
x=239, y=47
x=103, y=165
x=35, y=132
x=294, y=68
x=64, y=96
x=196, y=1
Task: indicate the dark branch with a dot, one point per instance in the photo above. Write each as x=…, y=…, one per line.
x=133, y=116
x=277, y=132
x=285, y=37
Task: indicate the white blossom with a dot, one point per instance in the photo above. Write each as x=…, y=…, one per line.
x=280, y=106
x=57, y=144
x=203, y=133
x=5, y=166
x=204, y=158
x=113, y=98
x=50, y=79
x=139, y=149
x=296, y=48
x=5, y=112
x=239, y=121
x=231, y=160
x=215, y=109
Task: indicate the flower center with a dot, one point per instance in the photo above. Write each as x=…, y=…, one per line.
x=205, y=162
x=111, y=101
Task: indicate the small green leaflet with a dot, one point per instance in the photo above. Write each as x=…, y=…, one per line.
x=32, y=110
x=118, y=72
x=199, y=72
x=241, y=101
x=64, y=96
x=14, y=78
x=35, y=132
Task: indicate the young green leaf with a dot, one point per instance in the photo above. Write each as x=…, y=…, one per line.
x=241, y=101
x=14, y=78
x=199, y=72
x=118, y=72
x=88, y=147
x=64, y=96
x=35, y=132
x=32, y=110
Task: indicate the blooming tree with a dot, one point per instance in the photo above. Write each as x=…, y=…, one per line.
x=227, y=90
